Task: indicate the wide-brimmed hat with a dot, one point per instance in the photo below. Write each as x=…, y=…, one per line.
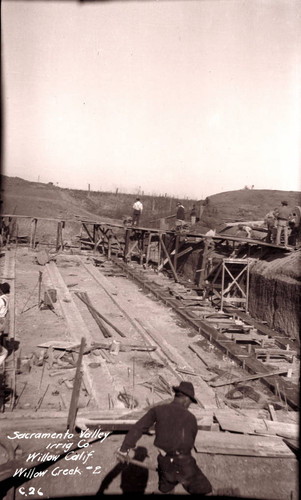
x=4, y=287
x=187, y=389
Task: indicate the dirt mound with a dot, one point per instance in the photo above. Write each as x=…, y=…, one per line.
x=244, y=205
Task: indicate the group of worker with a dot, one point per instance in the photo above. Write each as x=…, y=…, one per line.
x=180, y=215
x=278, y=221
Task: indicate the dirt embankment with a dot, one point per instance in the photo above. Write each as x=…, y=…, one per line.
x=275, y=293
x=275, y=289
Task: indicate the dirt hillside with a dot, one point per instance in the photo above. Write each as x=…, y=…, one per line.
x=47, y=200
x=245, y=205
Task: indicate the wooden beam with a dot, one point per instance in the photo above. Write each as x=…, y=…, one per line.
x=248, y=425
x=225, y=443
x=175, y=259
x=251, y=377
x=202, y=269
x=76, y=389
x=88, y=232
x=33, y=232
x=148, y=248
x=131, y=249
x=126, y=243
x=169, y=259
x=101, y=315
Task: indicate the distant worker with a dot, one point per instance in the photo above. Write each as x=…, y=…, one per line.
x=180, y=216
x=270, y=221
x=176, y=429
x=244, y=231
x=193, y=215
x=137, y=211
x=295, y=227
x=4, y=304
x=282, y=215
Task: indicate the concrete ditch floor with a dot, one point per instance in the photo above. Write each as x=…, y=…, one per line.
x=246, y=477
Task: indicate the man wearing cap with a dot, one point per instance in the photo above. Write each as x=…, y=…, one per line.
x=176, y=430
x=282, y=215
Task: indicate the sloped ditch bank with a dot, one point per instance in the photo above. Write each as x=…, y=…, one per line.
x=274, y=292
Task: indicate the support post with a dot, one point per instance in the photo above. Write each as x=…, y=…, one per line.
x=59, y=235
x=148, y=247
x=202, y=275
x=141, y=248
x=175, y=261
x=76, y=389
x=39, y=288
x=169, y=259
x=33, y=232
x=109, y=247
x=126, y=244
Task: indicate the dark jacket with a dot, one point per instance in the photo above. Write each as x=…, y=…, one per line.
x=175, y=427
x=180, y=212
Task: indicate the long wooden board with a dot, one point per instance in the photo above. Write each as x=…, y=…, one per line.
x=246, y=425
x=220, y=383
x=98, y=379
x=224, y=443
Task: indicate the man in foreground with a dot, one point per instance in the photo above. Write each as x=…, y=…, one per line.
x=176, y=430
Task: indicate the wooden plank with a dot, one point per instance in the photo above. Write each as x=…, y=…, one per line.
x=199, y=352
x=76, y=389
x=184, y=252
x=106, y=286
x=251, y=377
x=88, y=233
x=94, y=379
x=169, y=259
x=204, y=393
x=224, y=443
x=175, y=260
x=83, y=296
x=272, y=412
x=131, y=249
x=102, y=317
x=245, y=425
x=263, y=328
x=245, y=336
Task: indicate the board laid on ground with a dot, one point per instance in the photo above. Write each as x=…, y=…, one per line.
x=225, y=443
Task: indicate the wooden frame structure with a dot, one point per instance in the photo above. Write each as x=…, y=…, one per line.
x=229, y=267
x=164, y=248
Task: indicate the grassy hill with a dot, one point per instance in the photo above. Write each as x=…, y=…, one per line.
x=36, y=199
x=245, y=205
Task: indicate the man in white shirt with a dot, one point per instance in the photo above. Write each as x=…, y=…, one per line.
x=4, y=291
x=137, y=211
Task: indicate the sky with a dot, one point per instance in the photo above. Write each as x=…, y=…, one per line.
x=188, y=98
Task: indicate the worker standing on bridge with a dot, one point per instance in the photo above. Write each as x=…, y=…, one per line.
x=176, y=429
x=282, y=215
x=137, y=211
x=180, y=216
x=270, y=221
x=193, y=215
